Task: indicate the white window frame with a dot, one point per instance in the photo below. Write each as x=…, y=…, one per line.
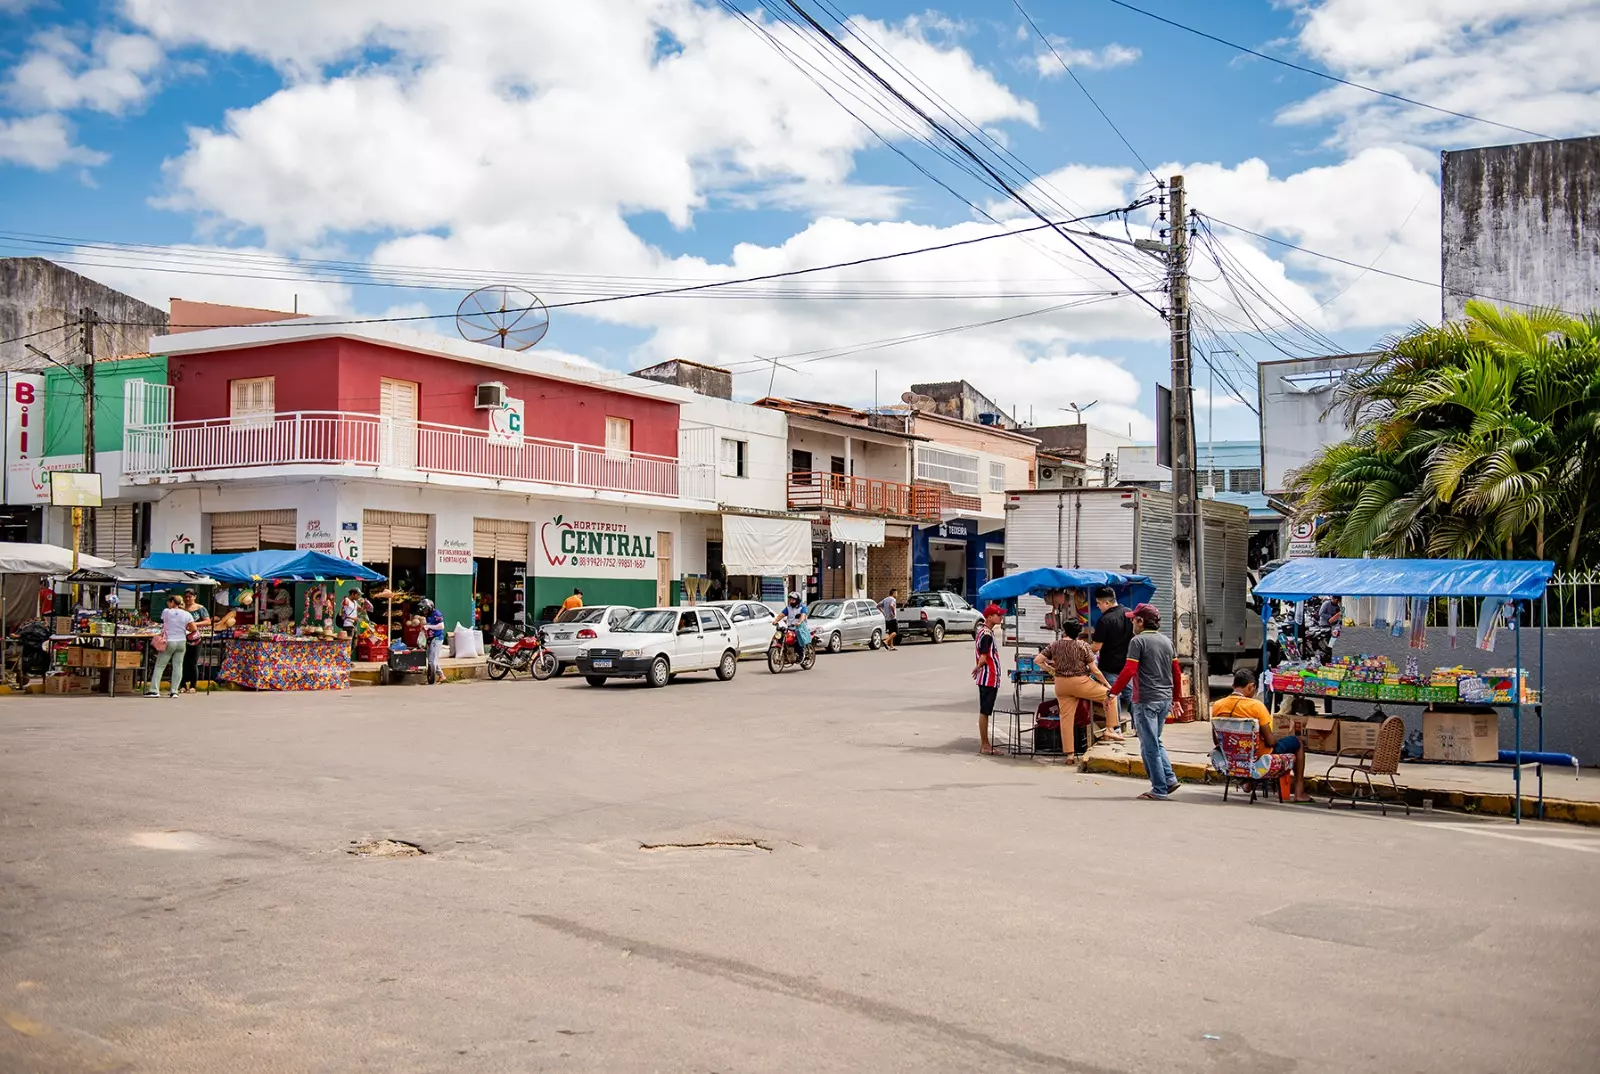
x=956, y=469
x=614, y=448
x=734, y=457
x=997, y=476
x=252, y=415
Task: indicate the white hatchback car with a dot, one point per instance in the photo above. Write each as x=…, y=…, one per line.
x=577, y=628
x=752, y=619
x=658, y=644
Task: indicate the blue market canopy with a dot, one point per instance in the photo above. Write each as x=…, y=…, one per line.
x=1131, y=589
x=1301, y=579
x=268, y=565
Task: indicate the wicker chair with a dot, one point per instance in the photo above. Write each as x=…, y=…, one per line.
x=1382, y=760
x=1236, y=741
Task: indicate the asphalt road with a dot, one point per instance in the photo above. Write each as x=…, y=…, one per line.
x=177, y=894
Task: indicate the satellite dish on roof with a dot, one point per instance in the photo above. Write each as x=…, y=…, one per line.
x=502, y=316
x=917, y=402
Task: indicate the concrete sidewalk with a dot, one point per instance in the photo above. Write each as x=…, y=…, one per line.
x=1487, y=789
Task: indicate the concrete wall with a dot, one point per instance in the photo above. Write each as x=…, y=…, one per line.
x=1571, y=687
x=36, y=294
x=1295, y=422
x=1522, y=223
x=766, y=436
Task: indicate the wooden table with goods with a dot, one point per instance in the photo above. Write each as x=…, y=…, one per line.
x=272, y=661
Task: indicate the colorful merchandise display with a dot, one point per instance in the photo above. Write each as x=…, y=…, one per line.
x=1378, y=678
x=262, y=661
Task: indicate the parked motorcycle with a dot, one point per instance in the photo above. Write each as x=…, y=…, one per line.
x=784, y=652
x=512, y=653
x=27, y=653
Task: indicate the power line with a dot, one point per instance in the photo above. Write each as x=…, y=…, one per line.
x=1436, y=284
x=1074, y=76
x=965, y=150
x=1324, y=74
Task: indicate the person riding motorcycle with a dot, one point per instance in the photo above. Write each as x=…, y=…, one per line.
x=794, y=616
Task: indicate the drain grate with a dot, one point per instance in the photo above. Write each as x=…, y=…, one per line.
x=384, y=848
x=711, y=844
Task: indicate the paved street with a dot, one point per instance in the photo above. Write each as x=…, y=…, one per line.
x=177, y=895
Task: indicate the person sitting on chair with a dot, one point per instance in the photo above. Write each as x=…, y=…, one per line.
x=1242, y=703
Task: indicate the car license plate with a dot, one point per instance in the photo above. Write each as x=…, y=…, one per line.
x=602, y=663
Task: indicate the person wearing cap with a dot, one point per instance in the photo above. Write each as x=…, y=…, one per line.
x=986, y=672
x=1151, y=669
x=433, y=630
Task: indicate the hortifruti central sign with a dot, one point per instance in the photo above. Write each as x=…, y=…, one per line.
x=583, y=546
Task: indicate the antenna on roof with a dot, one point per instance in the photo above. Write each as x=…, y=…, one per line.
x=502, y=316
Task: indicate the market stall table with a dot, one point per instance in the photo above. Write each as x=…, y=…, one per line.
x=287, y=662
x=1519, y=583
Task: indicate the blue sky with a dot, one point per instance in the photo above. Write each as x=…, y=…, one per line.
x=664, y=139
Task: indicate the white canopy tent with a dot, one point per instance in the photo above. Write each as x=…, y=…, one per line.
x=46, y=559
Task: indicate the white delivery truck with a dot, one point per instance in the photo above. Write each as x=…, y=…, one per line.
x=1130, y=530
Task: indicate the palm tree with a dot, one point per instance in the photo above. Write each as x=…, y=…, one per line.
x=1479, y=439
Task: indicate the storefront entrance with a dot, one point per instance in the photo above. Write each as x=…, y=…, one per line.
x=395, y=544
x=499, y=570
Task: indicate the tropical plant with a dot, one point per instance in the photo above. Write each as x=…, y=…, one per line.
x=1479, y=439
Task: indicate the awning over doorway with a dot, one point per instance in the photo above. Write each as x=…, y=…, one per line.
x=857, y=530
x=765, y=546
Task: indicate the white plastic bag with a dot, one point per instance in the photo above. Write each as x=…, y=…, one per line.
x=461, y=642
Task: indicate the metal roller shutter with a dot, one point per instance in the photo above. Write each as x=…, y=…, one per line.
x=114, y=536
x=500, y=538
x=244, y=531
x=387, y=530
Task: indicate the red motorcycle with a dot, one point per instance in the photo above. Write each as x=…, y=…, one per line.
x=516, y=654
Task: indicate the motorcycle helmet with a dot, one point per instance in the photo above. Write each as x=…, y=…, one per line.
x=424, y=605
x=795, y=598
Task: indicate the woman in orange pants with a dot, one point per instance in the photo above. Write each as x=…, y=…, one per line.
x=1071, y=662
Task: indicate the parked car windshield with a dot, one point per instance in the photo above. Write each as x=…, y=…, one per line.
x=925, y=600
x=655, y=621
x=581, y=615
x=827, y=609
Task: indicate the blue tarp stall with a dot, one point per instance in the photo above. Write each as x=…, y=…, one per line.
x=1521, y=582
x=279, y=565
x=1131, y=589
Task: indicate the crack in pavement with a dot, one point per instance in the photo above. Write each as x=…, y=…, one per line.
x=794, y=986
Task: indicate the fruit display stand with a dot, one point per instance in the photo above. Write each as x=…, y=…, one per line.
x=111, y=655
x=1519, y=583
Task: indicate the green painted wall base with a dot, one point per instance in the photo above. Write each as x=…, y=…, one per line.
x=641, y=593
x=453, y=594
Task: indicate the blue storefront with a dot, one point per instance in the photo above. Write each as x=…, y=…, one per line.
x=958, y=555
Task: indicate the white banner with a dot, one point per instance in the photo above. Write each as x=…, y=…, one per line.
x=857, y=530
x=24, y=439
x=766, y=546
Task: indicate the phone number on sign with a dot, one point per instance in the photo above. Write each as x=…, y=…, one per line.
x=609, y=561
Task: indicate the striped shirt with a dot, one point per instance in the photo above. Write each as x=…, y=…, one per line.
x=987, y=671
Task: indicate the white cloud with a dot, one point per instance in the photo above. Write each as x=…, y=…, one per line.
x=491, y=118
x=1048, y=64
x=43, y=142
x=232, y=275
x=116, y=72
x=1528, y=63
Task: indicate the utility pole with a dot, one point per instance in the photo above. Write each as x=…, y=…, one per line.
x=88, y=319
x=1188, y=604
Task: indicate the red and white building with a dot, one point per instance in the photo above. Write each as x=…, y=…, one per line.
x=430, y=458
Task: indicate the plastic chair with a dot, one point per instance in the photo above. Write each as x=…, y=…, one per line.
x=1236, y=738
x=1382, y=760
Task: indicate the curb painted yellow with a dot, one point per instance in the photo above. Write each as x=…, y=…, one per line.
x=1483, y=803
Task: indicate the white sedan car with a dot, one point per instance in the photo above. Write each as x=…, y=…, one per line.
x=576, y=628
x=658, y=644
x=752, y=620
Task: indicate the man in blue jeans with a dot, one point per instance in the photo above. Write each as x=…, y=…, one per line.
x=1152, y=670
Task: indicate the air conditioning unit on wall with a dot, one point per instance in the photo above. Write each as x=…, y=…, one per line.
x=491, y=396
x=1046, y=473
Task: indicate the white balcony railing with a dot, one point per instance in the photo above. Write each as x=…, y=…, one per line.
x=338, y=438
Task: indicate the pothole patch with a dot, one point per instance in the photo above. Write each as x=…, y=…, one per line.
x=384, y=848
x=745, y=845
x=171, y=839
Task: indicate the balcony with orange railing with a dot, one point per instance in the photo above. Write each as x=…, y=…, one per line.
x=815, y=490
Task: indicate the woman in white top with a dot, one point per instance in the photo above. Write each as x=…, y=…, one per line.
x=175, y=630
